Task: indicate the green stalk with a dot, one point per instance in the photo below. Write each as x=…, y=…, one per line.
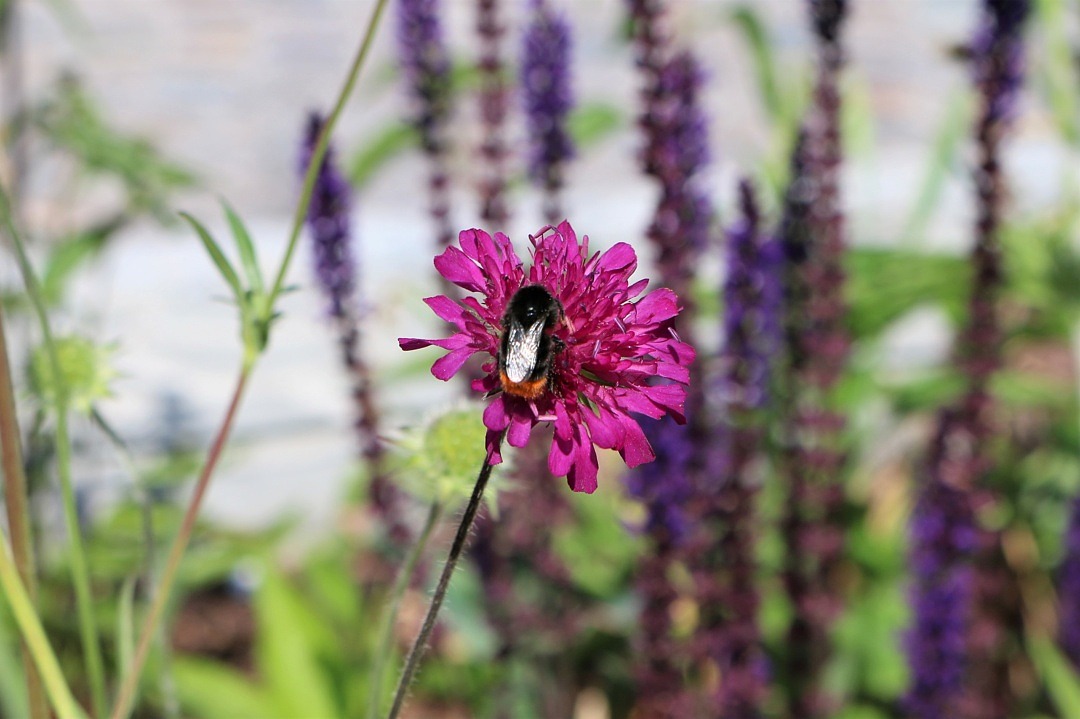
x=319, y=152
x=80, y=575
x=412, y=662
x=393, y=605
x=34, y=635
x=126, y=696
x=18, y=514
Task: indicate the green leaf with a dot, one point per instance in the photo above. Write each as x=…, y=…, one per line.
x=1061, y=680
x=885, y=284
x=592, y=122
x=290, y=637
x=222, y=262
x=216, y=691
x=248, y=258
x=389, y=143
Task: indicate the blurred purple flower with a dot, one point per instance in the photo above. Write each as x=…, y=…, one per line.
x=999, y=56
x=752, y=302
x=664, y=486
x=1069, y=589
x=328, y=220
x=426, y=62
x=614, y=346
x=493, y=110
x=827, y=16
x=944, y=541
x=545, y=79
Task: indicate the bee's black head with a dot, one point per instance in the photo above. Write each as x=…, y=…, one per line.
x=532, y=303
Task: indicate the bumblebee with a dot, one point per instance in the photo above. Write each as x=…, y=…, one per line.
x=527, y=348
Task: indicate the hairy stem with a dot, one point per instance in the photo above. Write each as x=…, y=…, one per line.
x=393, y=604
x=420, y=645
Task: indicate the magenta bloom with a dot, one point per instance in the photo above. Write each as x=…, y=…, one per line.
x=617, y=355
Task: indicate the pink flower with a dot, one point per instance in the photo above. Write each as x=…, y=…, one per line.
x=614, y=355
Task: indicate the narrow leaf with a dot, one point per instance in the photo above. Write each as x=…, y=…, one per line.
x=222, y=262
x=248, y=259
x=391, y=142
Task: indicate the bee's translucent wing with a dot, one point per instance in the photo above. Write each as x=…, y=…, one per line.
x=522, y=347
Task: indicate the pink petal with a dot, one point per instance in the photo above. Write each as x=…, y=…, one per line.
x=657, y=306
x=619, y=256
x=520, y=428
x=446, y=309
x=582, y=476
x=561, y=456
x=447, y=366
x=496, y=417
x=673, y=371
x=635, y=289
x=636, y=449
x=411, y=343
x=492, y=441
x=454, y=265
x=605, y=430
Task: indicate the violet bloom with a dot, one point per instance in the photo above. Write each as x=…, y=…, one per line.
x=545, y=79
x=427, y=66
x=999, y=56
x=328, y=218
x=752, y=296
x=944, y=540
x=613, y=346
x=664, y=486
x=1069, y=589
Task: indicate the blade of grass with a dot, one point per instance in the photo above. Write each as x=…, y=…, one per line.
x=218, y=256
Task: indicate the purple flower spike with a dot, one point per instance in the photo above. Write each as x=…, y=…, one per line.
x=545, y=77
x=999, y=56
x=751, y=306
x=427, y=65
x=610, y=346
x=664, y=486
x=328, y=218
x=1069, y=589
x=944, y=540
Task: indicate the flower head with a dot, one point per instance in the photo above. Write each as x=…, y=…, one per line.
x=613, y=354
x=999, y=56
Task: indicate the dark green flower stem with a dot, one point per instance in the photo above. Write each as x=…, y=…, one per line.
x=384, y=648
x=80, y=573
x=18, y=515
x=419, y=646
